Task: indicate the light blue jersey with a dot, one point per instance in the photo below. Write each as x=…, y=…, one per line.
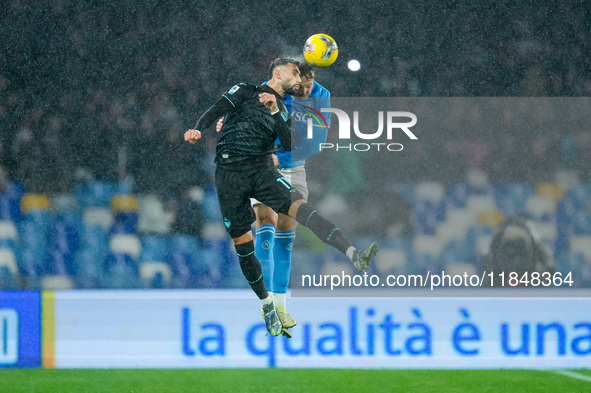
x=300, y=112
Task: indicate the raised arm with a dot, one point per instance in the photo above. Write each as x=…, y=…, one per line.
x=219, y=109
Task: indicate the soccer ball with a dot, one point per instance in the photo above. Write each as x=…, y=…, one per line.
x=321, y=50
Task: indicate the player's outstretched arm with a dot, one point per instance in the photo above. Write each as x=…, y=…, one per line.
x=218, y=110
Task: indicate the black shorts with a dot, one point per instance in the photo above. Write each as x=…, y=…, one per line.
x=237, y=184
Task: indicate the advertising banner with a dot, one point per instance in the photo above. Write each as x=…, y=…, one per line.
x=20, y=329
x=218, y=329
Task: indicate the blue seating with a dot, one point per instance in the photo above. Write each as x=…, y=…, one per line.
x=155, y=275
x=580, y=194
x=10, y=201
x=406, y=191
x=95, y=239
x=95, y=194
x=72, y=219
x=475, y=232
x=7, y=243
x=305, y=262
x=566, y=210
x=457, y=250
x=210, y=205
x=62, y=238
x=426, y=214
x=41, y=219
x=511, y=200
x=187, y=263
x=232, y=278
x=121, y=272
x=442, y=208
x=487, y=190
x=548, y=217
x=154, y=248
x=59, y=264
x=421, y=263
x=33, y=245
x=577, y=265
x=184, y=243
x=8, y=269
x=458, y=194
x=125, y=223
x=519, y=190
x=60, y=244
x=565, y=232
x=510, y=206
x=363, y=241
x=400, y=243
x=582, y=223
x=9, y=209
x=8, y=280
x=88, y=270
x=31, y=262
x=182, y=270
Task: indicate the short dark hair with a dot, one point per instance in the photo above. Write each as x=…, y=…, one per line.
x=280, y=61
x=306, y=70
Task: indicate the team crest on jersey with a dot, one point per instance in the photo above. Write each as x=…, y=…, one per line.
x=234, y=89
x=227, y=223
x=316, y=115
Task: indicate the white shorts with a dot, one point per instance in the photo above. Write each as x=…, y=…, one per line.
x=297, y=177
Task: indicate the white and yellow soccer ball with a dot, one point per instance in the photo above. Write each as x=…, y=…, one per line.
x=321, y=50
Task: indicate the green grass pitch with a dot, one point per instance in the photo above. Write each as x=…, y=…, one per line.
x=289, y=380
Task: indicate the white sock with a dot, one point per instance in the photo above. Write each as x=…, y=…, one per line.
x=350, y=252
x=280, y=300
x=266, y=301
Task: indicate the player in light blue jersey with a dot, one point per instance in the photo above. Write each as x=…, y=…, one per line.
x=275, y=233
x=306, y=107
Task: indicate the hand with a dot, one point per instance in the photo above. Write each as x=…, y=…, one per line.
x=275, y=160
x=219, y=125
x=192, y=136
x=270, y=101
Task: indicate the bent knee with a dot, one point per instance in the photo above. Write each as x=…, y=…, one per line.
x=264, y=215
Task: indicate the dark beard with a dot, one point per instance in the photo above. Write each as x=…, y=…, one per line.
x=291, y=91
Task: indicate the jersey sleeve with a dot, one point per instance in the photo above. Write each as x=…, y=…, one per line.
x=229, y=101
x=238, y=93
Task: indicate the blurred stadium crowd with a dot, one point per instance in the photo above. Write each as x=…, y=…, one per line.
x=98, y=189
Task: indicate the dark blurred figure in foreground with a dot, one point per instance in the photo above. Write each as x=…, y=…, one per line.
x=516, y=247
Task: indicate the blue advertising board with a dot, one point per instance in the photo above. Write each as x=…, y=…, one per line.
x=20, y=329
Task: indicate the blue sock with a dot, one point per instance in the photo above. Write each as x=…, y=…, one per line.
x=264, y=240
x=282, y=256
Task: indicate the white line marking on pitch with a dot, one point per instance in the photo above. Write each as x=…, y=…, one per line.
x=574, y=375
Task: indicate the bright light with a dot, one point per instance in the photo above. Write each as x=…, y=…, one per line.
x=354, y=65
